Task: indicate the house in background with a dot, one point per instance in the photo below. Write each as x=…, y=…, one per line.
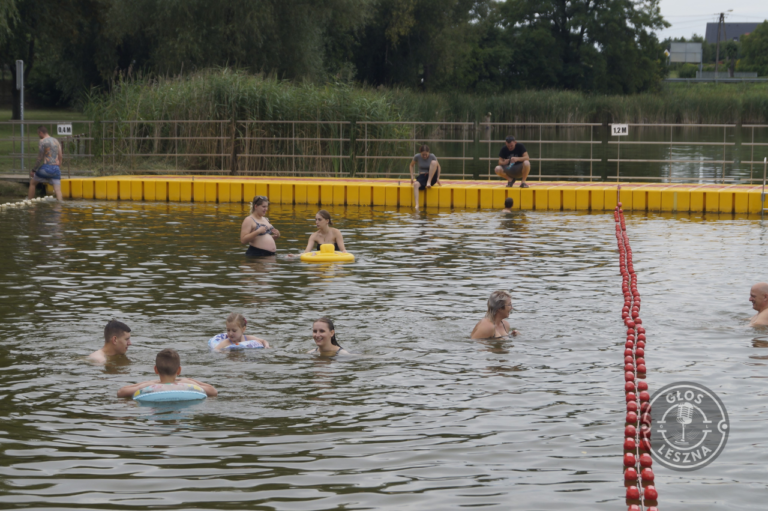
x=733, y=31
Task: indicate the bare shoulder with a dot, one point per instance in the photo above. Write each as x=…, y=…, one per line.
x=483, y=330
x=97, y=357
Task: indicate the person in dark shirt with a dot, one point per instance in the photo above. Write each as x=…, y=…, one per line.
x=514, y=162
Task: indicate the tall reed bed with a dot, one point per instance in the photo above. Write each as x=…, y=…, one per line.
x=314, y=145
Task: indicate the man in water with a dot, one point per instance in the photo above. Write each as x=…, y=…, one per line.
x=758, y=295
x=47, y=165
x=117, y=339
x=514, y=162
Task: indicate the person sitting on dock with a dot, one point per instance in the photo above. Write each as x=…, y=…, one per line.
x=257, y=232
x=514, y=162
x=117, y=339
x=429, y=172
x=494, y=325
x=758, y=295
x=47, y=167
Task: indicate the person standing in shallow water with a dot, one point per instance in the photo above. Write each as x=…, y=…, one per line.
x=257, y=232
x=758, y=295
x=117, y=339
x=494, y=325
x=324, y=335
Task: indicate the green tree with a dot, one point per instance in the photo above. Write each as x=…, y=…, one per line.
x=754, y=47
x=594, y=45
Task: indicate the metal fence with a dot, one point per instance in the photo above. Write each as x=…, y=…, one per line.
x=582, y=151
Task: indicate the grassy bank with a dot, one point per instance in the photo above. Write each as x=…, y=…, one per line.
x=226, y=94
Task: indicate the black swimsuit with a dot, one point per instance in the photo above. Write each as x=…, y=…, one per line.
x=259, y=252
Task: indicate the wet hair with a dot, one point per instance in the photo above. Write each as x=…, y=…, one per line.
x=113, y=329
x=167, y=362
x=323, y=213
x=509, y=202
x=423, y=148
x=237, y=319
x=496, y=301
x=258, y=200
x=328, y=322
x=42, y=129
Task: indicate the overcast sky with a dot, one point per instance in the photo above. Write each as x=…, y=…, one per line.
x=690, y=17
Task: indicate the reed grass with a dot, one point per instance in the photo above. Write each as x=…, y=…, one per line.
x=314, y=147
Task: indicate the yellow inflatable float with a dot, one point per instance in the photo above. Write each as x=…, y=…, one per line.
x=327, y=254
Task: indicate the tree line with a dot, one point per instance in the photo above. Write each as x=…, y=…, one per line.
x=73, y=48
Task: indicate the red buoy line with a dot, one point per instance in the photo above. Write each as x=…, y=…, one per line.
x=638, y=474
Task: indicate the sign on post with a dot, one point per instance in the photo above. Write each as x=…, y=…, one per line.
x=619, y=130
x=64, y=129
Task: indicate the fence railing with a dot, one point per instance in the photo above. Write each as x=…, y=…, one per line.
x=583, y=151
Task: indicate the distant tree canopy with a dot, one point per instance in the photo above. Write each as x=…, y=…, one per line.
x=755, y=49
x=487, y=46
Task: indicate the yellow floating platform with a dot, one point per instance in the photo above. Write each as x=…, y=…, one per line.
x=543, y=196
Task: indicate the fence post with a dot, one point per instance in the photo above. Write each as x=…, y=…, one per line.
x=353, y=148
x=233, y=163
x=604, y=147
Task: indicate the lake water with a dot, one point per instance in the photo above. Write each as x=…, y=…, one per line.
x=424, y=417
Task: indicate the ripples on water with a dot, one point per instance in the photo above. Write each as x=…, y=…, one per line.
x=426, y=419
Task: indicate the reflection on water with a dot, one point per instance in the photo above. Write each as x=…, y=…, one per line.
x=424, y=418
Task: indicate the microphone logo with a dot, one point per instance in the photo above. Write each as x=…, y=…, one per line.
x=689, y=428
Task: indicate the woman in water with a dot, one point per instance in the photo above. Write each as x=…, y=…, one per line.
x=494, y=324
x=235, y=338
x=256, y=230
x=325, y=234
x=324, y=335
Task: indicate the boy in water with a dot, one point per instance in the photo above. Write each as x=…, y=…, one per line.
x=117, y=339
x=508, y=203
x=167, y=367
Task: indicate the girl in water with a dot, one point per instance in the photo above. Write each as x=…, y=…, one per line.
x=325, y=234
x=235, y=338
x=324, y=335
x=494, y=325
x=257, y=232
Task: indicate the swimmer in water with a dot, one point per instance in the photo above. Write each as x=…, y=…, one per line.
x=758, y=295
x=235, y=336
x=117, y=339
x=494, y=325
x=257, y=232
x=508, y=203
x=325, y=234
x=167, y=367
x=324, y=335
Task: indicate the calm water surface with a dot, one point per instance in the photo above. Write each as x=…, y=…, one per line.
x=424, y=418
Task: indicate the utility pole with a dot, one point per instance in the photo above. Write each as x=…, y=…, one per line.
x=720, y=21
x=20, y=87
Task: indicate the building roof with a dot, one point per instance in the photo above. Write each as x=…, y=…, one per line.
x=733, y=31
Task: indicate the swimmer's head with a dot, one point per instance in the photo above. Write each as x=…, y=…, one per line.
x=167, y=362
x=237, y=320
x=509, y=202
x=324, y=215
x=498, y=301
x=119, y=335
x=424, y=150
x=329, y=324
x=758, y=295
x=259, y=200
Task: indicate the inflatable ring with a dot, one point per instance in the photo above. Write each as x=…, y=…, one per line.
x=162, y=393
x=327, y=254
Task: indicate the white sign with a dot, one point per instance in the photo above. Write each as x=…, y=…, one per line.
x=619, y=130
x=64, y=129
